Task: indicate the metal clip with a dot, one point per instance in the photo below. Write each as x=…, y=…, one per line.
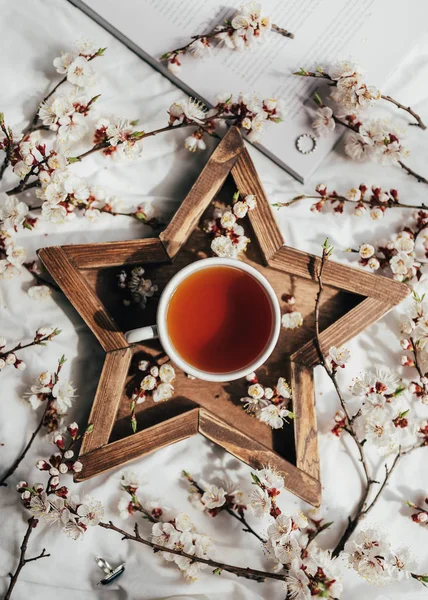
x=111, y=573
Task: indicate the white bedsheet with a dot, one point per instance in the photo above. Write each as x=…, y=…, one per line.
x=32, y=33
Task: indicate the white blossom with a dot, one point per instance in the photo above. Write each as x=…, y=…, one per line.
x=224, y=247
x=324, y=124
x=259, y=502
x=340, y=356
x=292, y=320
x=213, y=496
x=64, y=394
x=39, y=292
x=167, y=373
x=163, y=392
x=90, y=512
x=12, y=213
x=80, y=72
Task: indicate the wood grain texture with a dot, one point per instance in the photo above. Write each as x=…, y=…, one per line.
x=352, y=300
x=340, y=276
x=305, y=421
x=355, y=321
x=202, y=192
x=79, y=292
x=265, y=227
x=107, y=399
x=137, y=445
x=257, y=456
x=112, y=254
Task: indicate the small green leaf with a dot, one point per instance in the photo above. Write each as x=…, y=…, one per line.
x=291, y=415
x=73, y=159
x=1, y=118
x=217, y=571
x=235, y=196
x=62, y=360
x=319, y=70
x=100, y=51
x=302, y=72
x=318, y=99
x=165, y=56
x=411, y=504
x=89, y=428
x=403, y=414
x=140, y=216
x=277, y=120
x=255, y=479
x=134, y=424
x=26, y=225
x=134, y=123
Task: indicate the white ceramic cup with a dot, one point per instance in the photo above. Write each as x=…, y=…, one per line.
x=160, y=330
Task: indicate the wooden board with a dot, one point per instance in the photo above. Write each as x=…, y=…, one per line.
x=352, y=300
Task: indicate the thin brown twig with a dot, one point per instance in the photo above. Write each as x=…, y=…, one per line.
x=32, y=523
x=214, y=33
x=388, y=204
x=21, y=457
x=246, y=572
x=236, y=515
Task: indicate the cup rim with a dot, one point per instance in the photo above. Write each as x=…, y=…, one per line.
x=163, y=331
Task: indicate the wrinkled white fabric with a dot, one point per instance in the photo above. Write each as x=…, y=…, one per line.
x=32, y=33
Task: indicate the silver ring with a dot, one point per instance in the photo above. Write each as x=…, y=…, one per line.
x=306, y=143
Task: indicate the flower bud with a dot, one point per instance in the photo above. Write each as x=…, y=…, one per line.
x=42, y=465
x=58, y=440
x=39, y=487
x=73, y=430
x=21, y=486
x=143, y=365
x=26, y=495
x=20, y=365
x=11, y=359
x=54, y=482
x=68, y=454
x=63, y=469
x=77, y=466
x=53, y=471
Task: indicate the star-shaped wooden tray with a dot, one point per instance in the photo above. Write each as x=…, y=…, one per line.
x=87, y=274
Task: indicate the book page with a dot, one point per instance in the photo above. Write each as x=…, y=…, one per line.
x=325, y=30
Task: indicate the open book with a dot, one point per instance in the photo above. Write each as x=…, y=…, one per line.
x=325, y=30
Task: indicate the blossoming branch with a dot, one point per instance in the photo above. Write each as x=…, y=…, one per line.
x=351, y=92
x=8, y=357
x=56, y=395
x=383, y=420
x=365, y=200
x=247, y=28
x=378, y=140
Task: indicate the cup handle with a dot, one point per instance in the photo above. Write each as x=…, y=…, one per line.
x=142, y=333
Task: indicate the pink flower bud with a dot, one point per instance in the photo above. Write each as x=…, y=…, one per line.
x=73, y=430
x=77, y=466
x=39, y=487
x=62, y=492
x=42, y=465
x=406, y=344
x=20, y=365
x=21, y=485
x=10, y=359
x=58, y=440
x=26, y=495
x=63, y=468
x=68, y=454
x=53, y=471
x=423, y=517
x=54, y=482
